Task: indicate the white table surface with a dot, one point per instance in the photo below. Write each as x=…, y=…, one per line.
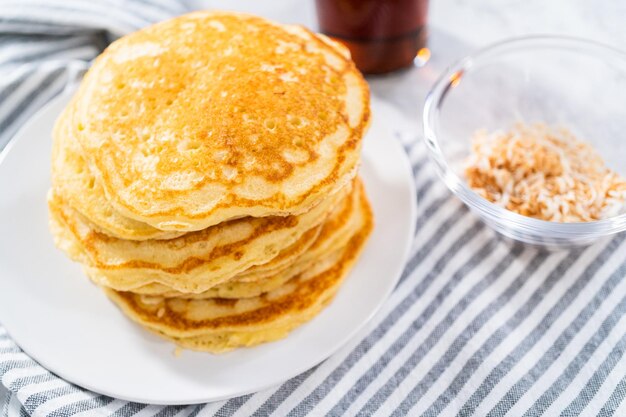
x=478, y=22
x=458, y=27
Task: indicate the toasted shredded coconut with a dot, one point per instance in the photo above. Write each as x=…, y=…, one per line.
x=544, y=173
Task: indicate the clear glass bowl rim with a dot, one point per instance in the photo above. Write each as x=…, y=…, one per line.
x=458, y=186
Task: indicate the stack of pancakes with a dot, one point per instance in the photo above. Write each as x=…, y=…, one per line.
x=205, y=176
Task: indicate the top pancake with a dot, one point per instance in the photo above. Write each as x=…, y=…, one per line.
x=212, y=116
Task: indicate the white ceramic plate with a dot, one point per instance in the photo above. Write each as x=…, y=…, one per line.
x=67, y=324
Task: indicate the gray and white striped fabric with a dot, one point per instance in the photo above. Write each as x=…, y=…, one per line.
x=477, y=325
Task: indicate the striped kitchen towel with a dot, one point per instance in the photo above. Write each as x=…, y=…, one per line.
x=477, y=325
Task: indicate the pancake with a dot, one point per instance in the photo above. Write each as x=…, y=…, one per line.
x=213, y=116
x=72, y=179
x=193, y=262
x=234, y=288
x=219, y=325
x=342, y=224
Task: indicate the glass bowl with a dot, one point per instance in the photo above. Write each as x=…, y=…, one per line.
x=559, y=81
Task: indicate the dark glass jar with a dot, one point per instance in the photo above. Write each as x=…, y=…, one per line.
x=383, y=35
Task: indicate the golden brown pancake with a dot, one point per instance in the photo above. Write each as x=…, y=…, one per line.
x=204, y=176
x=213, y=116
x=342, y=224
x=193, y=262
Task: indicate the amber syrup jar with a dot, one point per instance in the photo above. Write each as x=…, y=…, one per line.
x=382, y=35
